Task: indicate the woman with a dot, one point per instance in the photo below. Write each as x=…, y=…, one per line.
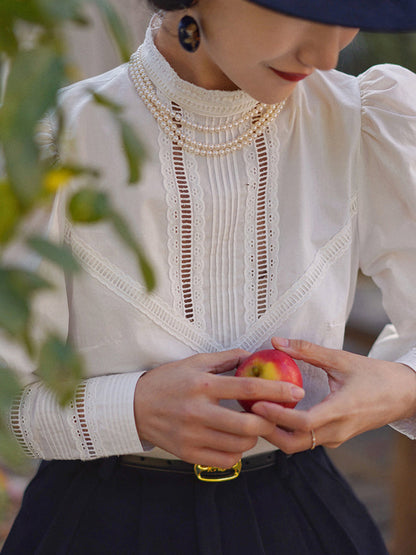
x=270, y=180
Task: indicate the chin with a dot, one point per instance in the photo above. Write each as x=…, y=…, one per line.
x=273, y=96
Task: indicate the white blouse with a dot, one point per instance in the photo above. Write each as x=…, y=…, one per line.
x=263, y=241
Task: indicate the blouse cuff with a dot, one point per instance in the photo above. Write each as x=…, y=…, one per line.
x=98, y=423
x=109, y=409
x=407, y=426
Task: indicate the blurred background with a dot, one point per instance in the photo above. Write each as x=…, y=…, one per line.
x=380, y=465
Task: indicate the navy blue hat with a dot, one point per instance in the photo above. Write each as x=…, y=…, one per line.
x=369, y=15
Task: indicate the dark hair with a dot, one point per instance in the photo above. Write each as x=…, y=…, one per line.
x=171, y=5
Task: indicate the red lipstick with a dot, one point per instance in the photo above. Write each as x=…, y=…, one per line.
x=290, y=76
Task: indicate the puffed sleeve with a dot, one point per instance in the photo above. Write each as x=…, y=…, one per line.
x=387, y=208
x=100, y=420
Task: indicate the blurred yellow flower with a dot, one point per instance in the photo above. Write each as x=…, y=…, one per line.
x=57, y=178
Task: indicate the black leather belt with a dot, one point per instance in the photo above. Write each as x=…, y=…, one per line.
x=203, y=473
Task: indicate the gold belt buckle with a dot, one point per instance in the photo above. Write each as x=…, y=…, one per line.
x=216, y=474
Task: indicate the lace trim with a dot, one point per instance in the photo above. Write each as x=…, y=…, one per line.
x=189, y=96
x=160, y=313
x=132, y=292
x=80, y=425
x=302, y=288
x=19, y=426
x=273, y=216
x=185, y=210
x=185, y=230
x=262, y=231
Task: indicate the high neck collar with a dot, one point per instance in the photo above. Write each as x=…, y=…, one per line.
x=187, y=95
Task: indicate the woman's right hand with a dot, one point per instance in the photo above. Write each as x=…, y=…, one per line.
x=177, y=408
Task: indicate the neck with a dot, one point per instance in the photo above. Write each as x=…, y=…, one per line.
x=195, y=67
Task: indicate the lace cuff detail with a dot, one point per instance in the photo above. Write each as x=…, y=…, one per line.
x=98, y=423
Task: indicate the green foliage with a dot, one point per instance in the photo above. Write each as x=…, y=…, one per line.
x=9, y=211
x=17, y=288
x=116, y=29
x=58, y=254
x=133, y=148
x=126, y=235
x=60, y=368
x=34, y=60
x=89, y=205
x=34, y=80
x=9, y=390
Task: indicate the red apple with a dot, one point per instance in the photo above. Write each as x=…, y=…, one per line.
x=269, y=364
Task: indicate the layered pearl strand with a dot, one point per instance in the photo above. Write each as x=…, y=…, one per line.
x=175, y=125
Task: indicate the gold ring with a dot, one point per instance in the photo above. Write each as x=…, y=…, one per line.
x=313, y=436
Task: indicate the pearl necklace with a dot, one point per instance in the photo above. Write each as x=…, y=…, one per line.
x=176, y=126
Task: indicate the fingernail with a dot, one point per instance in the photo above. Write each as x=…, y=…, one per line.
x=297, y=393
x=281, y=341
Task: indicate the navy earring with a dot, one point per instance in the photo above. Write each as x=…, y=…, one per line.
x=188, y=33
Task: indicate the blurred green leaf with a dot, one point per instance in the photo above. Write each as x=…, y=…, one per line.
x=16, y=290
x=116, y=28
x=126, y=235
x=34, y=79
x=58, y=254
x=89, y=206
x=146, y=269
x=10, y=451
x=24, y=281
x=22, y=164
x=48, y=13
x=32, y=46
x=60, y=367
x=63, y=11
x=107, y=102
x=8, y=41
x=9, y=211
x=9, y=388
x=59, y=176
x=133, y=150
x=28, y=10
x=14, y=308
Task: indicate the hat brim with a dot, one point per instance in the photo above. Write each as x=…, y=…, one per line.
x=368, y=15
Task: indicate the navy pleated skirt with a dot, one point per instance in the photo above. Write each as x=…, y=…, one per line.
x=299, y=506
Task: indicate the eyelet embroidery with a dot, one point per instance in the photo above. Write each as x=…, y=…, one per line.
x=185, y=212
x=18, y=425
x=262, y=229
x=297, y=295
x=135, y=294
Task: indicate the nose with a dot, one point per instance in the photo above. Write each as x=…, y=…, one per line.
x=321, y=47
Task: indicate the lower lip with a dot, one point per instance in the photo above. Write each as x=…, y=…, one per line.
x=294, y=77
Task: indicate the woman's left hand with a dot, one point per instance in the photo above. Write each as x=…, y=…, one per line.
x=364, y=394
